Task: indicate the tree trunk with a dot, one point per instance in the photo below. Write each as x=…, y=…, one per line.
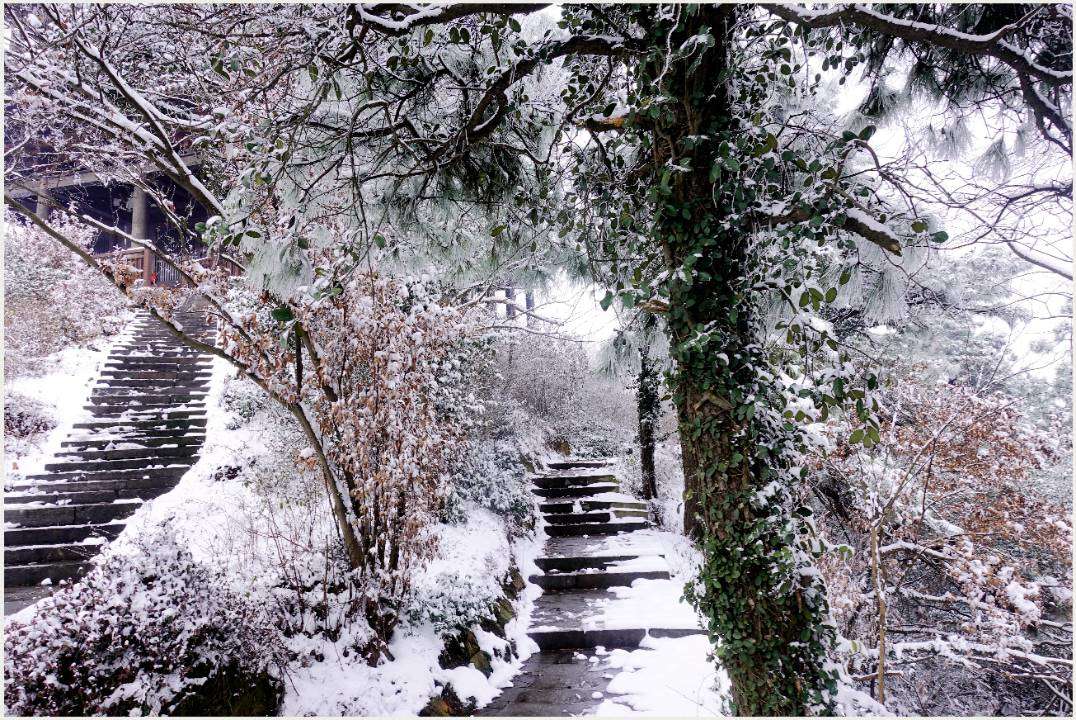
x=760, y=595
x=649, y=408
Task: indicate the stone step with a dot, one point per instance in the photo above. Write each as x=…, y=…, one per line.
x=571, y=464
x=24, y=575
x=179, y=437
x=630, y=513
x=610, y=638
x=127, y=377
x=73, y=493
x=119, y=474
x=146, y=424
x=148, y=453
x=55, y=535
x=594, y=580
x=132, y=464
x=132, y=487
x=52, y=515
x=68, y=552
x=606, y=528
x=589, y=505
x=576, y=518
x=137, y=379
x=582, y=562
x=169, y=381
x=156, y=362
x=146, y=412
x=566, y=481
x=575, y=492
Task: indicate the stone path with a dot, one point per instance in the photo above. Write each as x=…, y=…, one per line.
x=605, y=585
x=144, y=428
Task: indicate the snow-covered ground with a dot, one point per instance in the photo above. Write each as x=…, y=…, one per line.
x=62, y=391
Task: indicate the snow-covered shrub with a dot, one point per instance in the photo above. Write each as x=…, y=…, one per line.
x=491, y=476
x=51, y=298
x=25, y=416
x=381, y=389
x=553, y=383
x=151, y=632
x=243, y=400
x=975, y=563
x=458, y=588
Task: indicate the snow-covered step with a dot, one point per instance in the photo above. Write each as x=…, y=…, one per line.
x=574, y=492
x=148, y=441
x=574, y=518
x=37, y=573
x=596, y=528
x=571, y=464
x=609, y=638
x=107, y=465
x=580, y=562
x=121, y=424
x=131, y=453
x=57, y=534
x=590, y=505
x=60, y=553
x=555, y=482
x=28, y=516
x=128, y=475
x=589, y=580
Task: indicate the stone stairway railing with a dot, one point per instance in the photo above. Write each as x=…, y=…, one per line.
x=145, y=428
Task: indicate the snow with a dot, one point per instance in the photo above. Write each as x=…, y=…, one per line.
x=666, y=677
x=63, y=391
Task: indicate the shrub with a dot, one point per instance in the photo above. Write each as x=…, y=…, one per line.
x=492, y=477
x=24, y=416
x=51, y=298
x=152, y=632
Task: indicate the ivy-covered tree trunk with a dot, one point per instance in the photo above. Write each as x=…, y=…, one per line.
x=758, y=592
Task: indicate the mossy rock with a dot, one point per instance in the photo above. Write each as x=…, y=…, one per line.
x=459, y=649
x=447, y=704
x=514, y=584
x=482, y=662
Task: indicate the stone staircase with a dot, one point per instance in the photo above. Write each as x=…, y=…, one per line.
x=599, y=544
x=144, y=426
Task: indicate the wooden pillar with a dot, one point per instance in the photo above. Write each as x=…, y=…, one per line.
x=43, y=210
x=510, y=303
x=530, y=307
x=139, y=208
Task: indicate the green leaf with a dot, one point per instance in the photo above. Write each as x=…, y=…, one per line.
x=831, y=295
x=856, y=436
x=379, y=240
x=867, y=132
x=606, y=301
x=496, y=231
x=940, y=236
x=919, y=226
x=282, y=314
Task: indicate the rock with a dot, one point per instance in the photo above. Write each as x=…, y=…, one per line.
x=481, y=662
x=515, y=583
x=503, y=611
x=459, y=649
x=446, y=704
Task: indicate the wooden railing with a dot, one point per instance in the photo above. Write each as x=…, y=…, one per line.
x=156, y=271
